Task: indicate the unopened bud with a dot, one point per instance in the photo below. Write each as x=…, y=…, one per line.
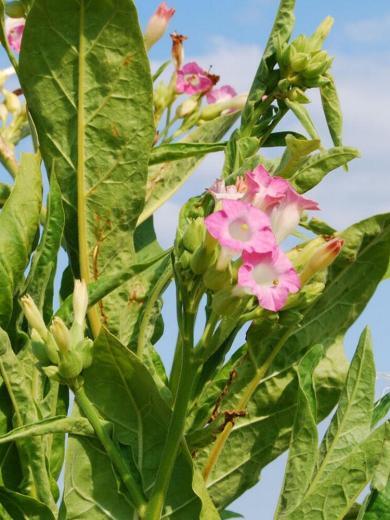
x=216, y=280
x=322, y=258
x=187, y=107
x=61, y=334
x=51, y=372
x=12, y=102
x=178, y=49
x=33, y=315
x=230, y=105
x=194, y=235
x=85, y=349
x=202, y=259
x=322, y=32
x=80, y=301
x=158, y=24
x=70, y=365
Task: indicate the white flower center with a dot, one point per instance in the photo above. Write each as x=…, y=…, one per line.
x=265, y=274
x=192, y=79
x=239, y=229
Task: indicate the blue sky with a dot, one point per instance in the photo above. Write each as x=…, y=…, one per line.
x=229, y=35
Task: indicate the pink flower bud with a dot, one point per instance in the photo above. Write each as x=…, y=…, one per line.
x=158, y=24
x=14, y=28
x=322, y=258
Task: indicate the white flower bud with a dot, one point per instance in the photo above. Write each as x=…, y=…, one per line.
x=80, y=301
x=33, y=315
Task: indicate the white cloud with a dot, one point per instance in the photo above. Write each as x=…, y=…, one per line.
x=369, y=31
x=365, y=98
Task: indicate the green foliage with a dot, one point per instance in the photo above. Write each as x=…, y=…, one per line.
x=326, y=482
x=19, y=220
x=86, y=78
x=139, y=427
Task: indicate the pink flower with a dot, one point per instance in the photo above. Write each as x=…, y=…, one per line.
x=192, y=79
x=265, y=191
x=270, y=277
x=285, y=216
x=158, y=24
x=241, y=227
x=221, y=94
x=233, y=192
x=14, y=28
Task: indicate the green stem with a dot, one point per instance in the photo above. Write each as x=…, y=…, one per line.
x=114, y=454
x=176, y=424
x=93, y=315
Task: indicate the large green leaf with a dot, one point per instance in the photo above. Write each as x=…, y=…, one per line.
x=165, y=179
x=40, y=281
x=140, y=418
x=19, y=220
x=86, y=78
x=304, y=438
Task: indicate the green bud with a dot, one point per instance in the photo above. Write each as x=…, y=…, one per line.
x=61, y=333
x=70, y=365
x=15, y=10
x=194, y=234
x=225, y=303
x=297, y=94
x=202, y=259
x=12, y=102
x=185, y=260
x=322, y=32
x=162, y=96
x=51, y=372
x=211, y=112
x=216, y=280
x=299, y=62
x=33, y=315
x=39, y=348
x=85, y=349
x=301, y=44
x=186, y=108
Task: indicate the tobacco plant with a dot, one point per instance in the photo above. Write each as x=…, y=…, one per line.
x=83, y=389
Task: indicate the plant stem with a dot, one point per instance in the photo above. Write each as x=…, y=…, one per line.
x=112, y=451
x=93, y=315
x=260, y=373
x=177, y=422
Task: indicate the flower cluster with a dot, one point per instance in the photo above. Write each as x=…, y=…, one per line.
x=251, y=219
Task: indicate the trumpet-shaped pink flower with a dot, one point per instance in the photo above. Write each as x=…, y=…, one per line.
x=158, y=24
x=14, y=28
x=265, y=191
x=239, y=226
x=270, y=277
x=285, y=216
x=223, y=93
x=220, y=191
x=192, y=79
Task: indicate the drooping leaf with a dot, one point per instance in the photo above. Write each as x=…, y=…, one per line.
x=23, y=507
x=139, y=427
x=86, y=78
x=279, y=139
x=165, y=179
x=19, y=220
x=381, y=409
x=40, y=281
x=55, y=424
x=304, y=438
x=313, y=169
x=332, y=110
x=178, y=151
